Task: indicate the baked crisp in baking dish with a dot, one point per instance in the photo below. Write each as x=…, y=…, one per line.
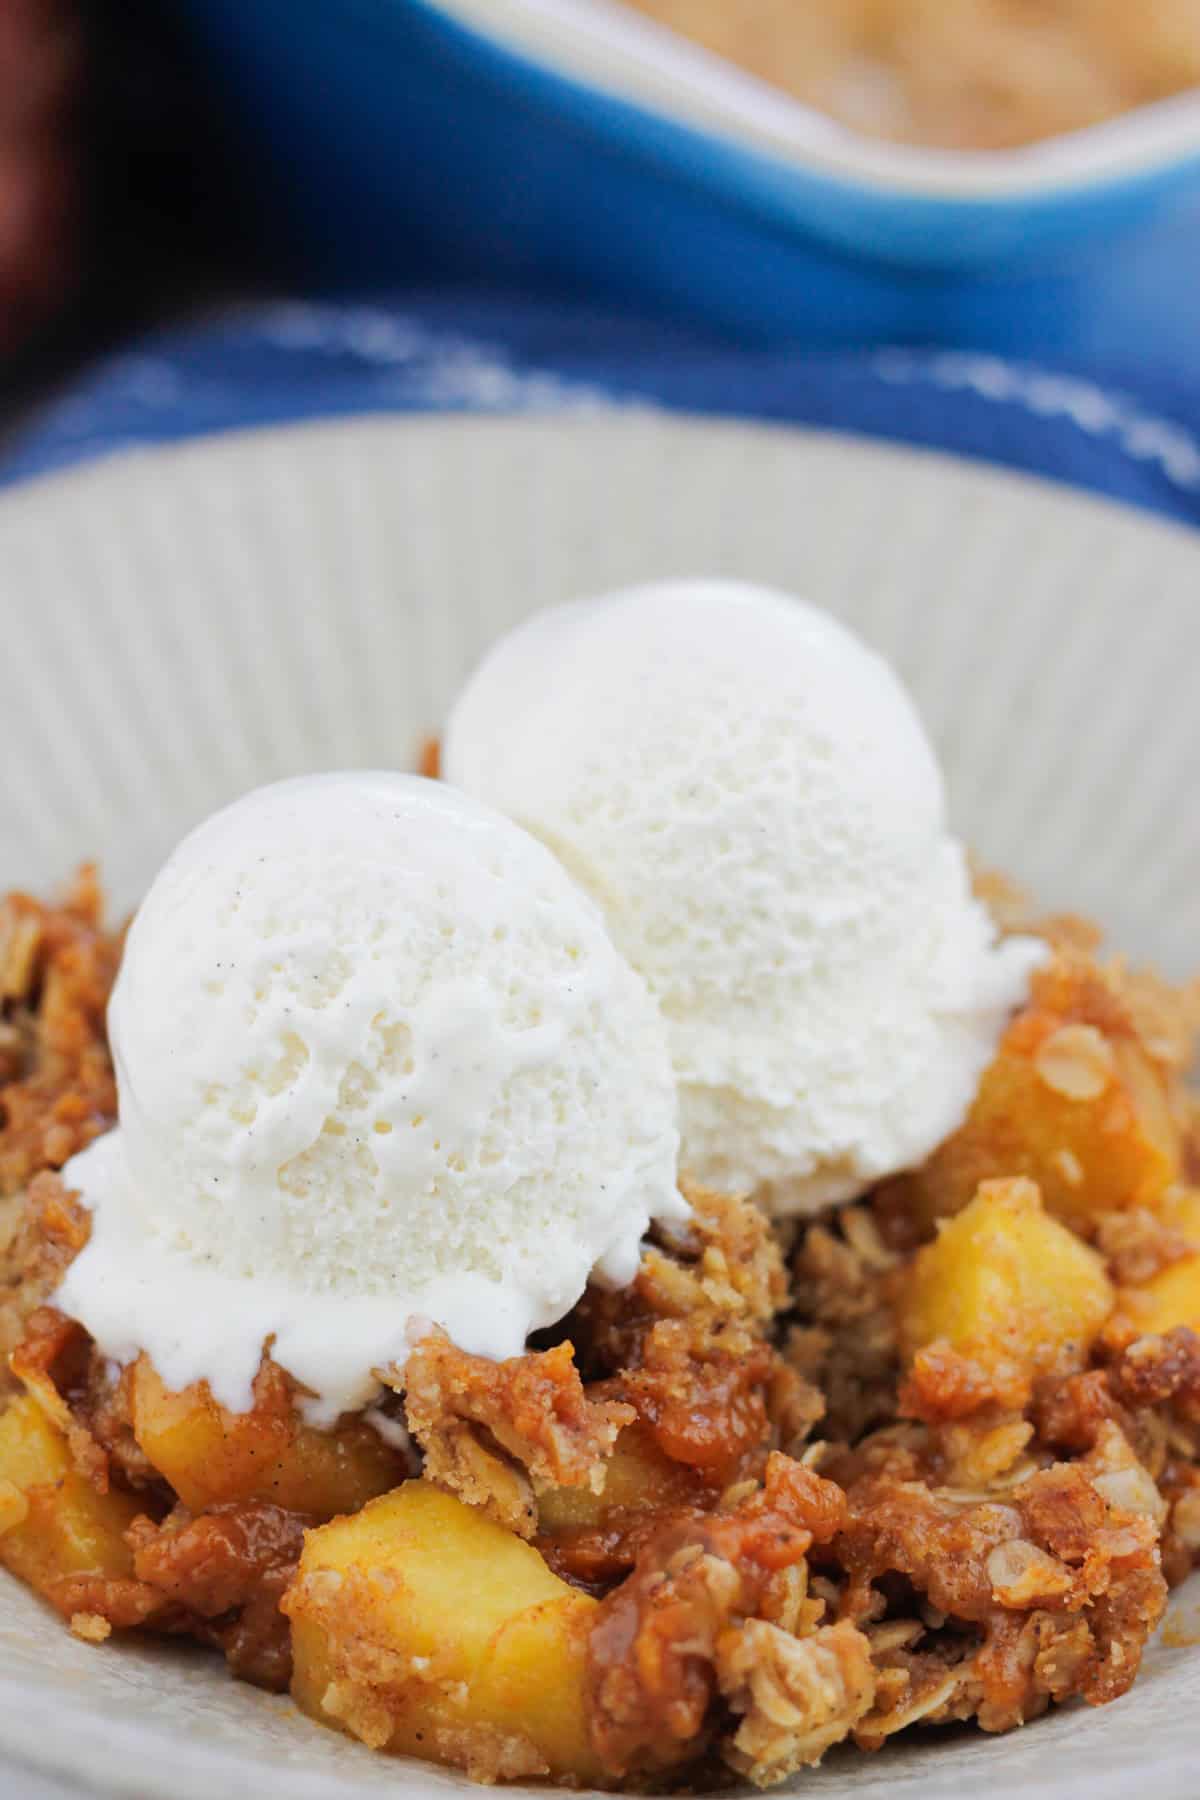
x=960, y=74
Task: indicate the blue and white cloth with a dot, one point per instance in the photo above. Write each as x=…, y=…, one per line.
x=1113, y=431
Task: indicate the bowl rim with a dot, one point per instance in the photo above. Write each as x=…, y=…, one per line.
x=606, y=46
x=109, y=1737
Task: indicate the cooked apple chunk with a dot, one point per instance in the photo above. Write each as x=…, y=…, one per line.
x=1081, y=1097
x=421, y=1626
x=211, y=1456
x=58, y=1531
x=1006, y=1285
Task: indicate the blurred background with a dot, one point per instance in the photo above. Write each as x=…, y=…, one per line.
x=118, y=203
x=649, y=181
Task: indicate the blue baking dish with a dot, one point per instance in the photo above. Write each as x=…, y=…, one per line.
x=571, y=146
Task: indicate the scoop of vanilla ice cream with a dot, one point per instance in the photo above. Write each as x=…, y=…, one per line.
x=379, y=1064
x=747, y=791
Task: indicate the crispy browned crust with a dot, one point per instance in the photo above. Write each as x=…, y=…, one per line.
x=683, y=1349
x=689, y=1345
x=794, y=1696
x=842, y=1338
x=725, y=1263
x=57, y=967
x=1137, y=1245
x=670, y=1638
x=496, y=1434
x=47, y=1228
x=222, y=1575
x=1045, y=1586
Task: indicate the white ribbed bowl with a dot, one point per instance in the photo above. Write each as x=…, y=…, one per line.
x=178, y=626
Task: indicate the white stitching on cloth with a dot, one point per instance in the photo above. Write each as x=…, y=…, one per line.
x=441, y=370
x=1144, y=437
